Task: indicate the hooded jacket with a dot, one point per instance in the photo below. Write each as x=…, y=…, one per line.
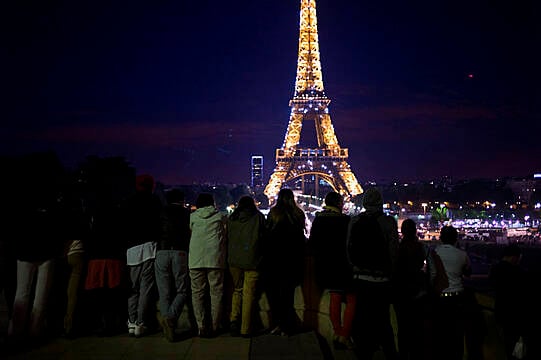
x=373, y=204
x=245, y=235
x=208, y=240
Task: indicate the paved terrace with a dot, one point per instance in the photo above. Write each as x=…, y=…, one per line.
x=307, y=345
x=311, y=308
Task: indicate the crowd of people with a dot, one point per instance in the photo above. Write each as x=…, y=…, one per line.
x=143, y=252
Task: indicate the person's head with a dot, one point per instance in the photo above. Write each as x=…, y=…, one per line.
x=144, y=183
x=286, y=198
x=204, y=200
x=448, y=235
x=174, y=196
x=246, y=202
x=512, y=253
x=334, y=199
x=372, y=200
x=408, y=229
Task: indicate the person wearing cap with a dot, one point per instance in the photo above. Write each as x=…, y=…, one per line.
x=372, y=246
x=332, y=271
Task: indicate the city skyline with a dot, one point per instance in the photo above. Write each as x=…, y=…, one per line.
x=188, y=92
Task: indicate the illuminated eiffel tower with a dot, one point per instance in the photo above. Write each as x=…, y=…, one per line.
x=327, y=160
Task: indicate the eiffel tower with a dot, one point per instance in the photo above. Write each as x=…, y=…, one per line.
x=327, y=160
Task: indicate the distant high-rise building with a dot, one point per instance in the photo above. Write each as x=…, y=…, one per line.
x=257, y=171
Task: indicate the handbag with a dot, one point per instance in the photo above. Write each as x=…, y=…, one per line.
x=519, y=350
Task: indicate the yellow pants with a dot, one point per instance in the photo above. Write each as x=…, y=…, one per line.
x=244, y=282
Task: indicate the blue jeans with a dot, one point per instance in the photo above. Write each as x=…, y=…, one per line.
x=171, y=268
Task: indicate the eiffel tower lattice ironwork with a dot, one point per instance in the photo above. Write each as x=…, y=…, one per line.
x=328, y=160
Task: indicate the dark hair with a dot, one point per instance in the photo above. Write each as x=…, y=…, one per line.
x=174, y=196
x=512, y=250
x=408, y=229
x=286, y=209
x=246, y=203
x=334, y=199
x=448, y=235
x=144, y=183
x=286, y=198
x=203, y=200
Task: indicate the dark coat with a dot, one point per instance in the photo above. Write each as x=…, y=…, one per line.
x=141, y=219
x=284, y=248
x=175, y=234
x=509, y=282
x=105, y=240
x=409, y=278
x=39, y=234
x=328, y=244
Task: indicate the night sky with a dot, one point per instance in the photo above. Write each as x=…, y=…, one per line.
x=189, y=90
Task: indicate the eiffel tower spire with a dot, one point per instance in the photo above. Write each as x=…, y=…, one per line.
x=328, y=160
x=309, y=76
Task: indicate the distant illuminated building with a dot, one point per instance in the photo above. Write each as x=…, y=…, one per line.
x=524, y=188
x=257, y=171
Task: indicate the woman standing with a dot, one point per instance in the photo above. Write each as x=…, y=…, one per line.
x=284, y=253
x=451, y=302
x=245, y=232
x=411, y=285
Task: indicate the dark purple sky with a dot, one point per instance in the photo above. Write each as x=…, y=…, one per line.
x=188, y=90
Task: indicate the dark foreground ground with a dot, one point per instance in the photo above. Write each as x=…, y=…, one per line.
x=306, y=345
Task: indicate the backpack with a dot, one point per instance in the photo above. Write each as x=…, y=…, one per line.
x=368, y=248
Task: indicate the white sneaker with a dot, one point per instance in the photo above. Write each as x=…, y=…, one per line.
x=139, y=330
x=131, y=328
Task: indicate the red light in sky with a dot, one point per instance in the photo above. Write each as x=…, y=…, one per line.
x=470, y=76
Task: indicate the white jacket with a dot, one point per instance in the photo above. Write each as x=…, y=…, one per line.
x=208, y=247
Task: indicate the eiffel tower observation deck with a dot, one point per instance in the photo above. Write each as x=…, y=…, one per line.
x=324, y=160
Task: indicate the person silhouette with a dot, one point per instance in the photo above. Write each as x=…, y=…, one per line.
x=284, y=260
x=372, y=245
x=171, y=264
x=245, y=234
x=327, y=241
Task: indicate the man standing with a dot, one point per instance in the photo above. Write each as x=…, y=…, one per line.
x=172, y=262
x=372, y=251
x=332, y=271
x=142, y=229
x=207, y=262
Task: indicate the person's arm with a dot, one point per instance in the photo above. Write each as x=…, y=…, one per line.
x=467, y=270
x=393, y=243
x=430, y=263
